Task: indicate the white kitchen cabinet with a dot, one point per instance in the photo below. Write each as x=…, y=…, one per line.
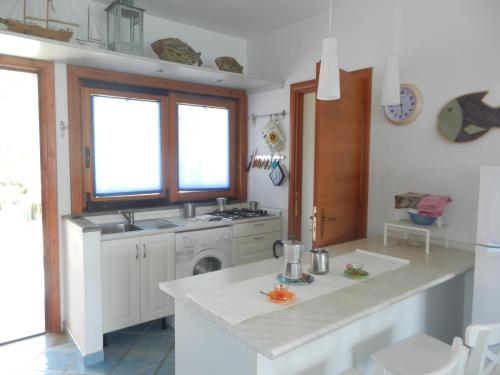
x=157, y=265
x=254, y=241
x=131, y=271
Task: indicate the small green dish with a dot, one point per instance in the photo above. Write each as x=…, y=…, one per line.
x=357, y=275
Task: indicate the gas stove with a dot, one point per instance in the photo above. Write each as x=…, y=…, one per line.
x=239, y=213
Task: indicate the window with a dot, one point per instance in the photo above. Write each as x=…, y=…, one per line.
x=127, y=146
x=203, y=148
x=204, y=154
x=147, y=149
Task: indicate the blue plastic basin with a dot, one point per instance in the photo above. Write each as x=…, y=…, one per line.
x=422, y=220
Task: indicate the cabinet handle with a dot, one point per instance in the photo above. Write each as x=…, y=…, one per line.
x=144, y=246
x=259, y=225
x=136, y=251
x=258, y=238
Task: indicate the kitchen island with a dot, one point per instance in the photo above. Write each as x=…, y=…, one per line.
x=330, y=333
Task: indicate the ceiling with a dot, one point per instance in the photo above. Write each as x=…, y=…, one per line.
x=240, y=18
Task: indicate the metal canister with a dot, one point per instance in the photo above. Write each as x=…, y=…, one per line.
x=189, y=210
x=253, y=205
x=320, y=261
x=221, y=204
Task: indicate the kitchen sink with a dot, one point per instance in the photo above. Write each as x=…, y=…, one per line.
x=156, y=224
x=118, y=228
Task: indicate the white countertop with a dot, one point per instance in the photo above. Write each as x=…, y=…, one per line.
x=279, y=332
x=184, y=225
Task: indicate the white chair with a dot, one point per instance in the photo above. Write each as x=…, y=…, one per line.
x=480, y=339
x=421, y=355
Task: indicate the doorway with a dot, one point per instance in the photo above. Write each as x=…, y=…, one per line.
x=29, y=271
x=21, y=270
x=330, y=161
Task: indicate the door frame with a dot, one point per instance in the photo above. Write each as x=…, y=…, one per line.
x=297, y=92
x=48, y=165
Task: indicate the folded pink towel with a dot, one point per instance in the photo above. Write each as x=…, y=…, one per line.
x=432, y=205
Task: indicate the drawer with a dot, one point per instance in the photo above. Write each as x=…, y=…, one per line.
x=254, y=248
x=257, y=227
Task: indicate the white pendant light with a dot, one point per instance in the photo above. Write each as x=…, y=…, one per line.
x=391, y=84
x=329, y=74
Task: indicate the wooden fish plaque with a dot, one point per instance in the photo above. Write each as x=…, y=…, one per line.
x=467, y=118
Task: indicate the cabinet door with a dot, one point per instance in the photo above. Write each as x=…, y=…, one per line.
x=121, y=299
x=257, y=227
x=254, y=248
x=157, y=265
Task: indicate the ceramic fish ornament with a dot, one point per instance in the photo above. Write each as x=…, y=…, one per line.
x=467, y=118
x=228, y=64
x=175, y=50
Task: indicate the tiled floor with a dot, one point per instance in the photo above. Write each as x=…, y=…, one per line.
x=143, y=349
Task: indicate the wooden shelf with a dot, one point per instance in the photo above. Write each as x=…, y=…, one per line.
x=19, y=45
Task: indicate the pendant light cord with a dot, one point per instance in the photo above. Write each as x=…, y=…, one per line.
x=397, y=26
x=331, y=17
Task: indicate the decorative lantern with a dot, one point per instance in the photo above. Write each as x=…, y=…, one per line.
x=125, y=27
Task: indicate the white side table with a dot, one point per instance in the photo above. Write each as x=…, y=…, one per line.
x=406, y=225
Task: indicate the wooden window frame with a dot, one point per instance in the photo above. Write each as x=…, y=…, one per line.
x=75, y=80
x=87, y=93
x=48, y=159
x=181, y=196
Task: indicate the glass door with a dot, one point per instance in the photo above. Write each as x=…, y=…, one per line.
x=22, y=286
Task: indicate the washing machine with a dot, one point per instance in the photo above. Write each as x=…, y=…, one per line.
x=203, y=251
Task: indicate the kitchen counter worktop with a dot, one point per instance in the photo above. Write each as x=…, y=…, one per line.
x=184, y=225
x=279, y=332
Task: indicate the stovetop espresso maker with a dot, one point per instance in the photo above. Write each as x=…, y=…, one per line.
x=292, y=270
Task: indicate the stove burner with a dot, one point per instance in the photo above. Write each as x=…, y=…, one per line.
x=239, y=213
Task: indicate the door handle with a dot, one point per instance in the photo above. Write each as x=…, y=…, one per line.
x=314, y=223
x=325, y=219
x=136, y=251
x=144, y=246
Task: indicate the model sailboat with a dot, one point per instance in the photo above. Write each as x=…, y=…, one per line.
x=41, y=26
x=93, y=37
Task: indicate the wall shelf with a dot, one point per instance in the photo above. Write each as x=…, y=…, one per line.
x=28, y=46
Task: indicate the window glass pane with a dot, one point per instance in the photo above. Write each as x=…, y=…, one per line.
x=127, y=146
x=203, y=148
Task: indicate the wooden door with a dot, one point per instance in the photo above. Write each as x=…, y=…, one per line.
x=341, y=163
x=157, y=265
x=121, y=301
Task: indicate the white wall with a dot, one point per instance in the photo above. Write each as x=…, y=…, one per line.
x=211, y=45
x=448, y=48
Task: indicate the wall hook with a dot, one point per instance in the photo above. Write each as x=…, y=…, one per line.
x=63, y=128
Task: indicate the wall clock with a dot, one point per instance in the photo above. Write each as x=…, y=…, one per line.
x=410, y=107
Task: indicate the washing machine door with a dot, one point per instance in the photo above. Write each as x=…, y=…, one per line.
x=208, y=260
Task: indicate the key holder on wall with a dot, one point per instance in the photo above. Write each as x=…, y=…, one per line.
x=264, y=161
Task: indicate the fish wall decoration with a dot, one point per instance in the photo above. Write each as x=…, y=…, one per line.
x=467, y=118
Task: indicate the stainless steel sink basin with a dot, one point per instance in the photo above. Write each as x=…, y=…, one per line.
x=118, y=228
x=156, y=224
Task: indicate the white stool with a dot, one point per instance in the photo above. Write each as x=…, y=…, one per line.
x=480, y=338
x=419, y=355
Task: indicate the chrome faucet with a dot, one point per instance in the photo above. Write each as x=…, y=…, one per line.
x=129, y=215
